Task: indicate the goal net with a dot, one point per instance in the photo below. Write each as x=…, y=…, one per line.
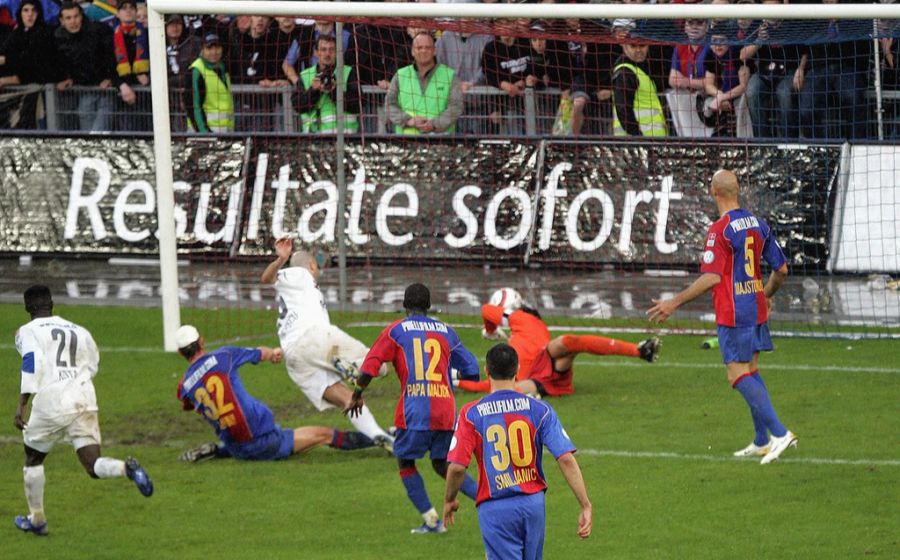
x=563, y=150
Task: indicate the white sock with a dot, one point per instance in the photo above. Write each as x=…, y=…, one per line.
x=104, y=467
x=366, y=424
x=431, y=517
x=34, y=492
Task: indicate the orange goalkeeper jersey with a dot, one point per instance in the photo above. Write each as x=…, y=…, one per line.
x=528, y=334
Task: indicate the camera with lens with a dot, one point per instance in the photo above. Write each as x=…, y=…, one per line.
x=326, y=77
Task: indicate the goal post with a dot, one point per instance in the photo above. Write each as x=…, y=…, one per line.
x=355, y=11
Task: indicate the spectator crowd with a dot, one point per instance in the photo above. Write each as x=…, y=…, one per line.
x=772, y=78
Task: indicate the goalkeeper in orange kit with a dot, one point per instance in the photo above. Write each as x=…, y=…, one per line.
x=545, y=365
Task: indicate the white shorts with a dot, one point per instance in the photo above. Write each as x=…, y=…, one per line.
x=80, y=429
x=310, y=361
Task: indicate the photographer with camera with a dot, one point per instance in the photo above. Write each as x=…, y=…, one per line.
x=315, y=98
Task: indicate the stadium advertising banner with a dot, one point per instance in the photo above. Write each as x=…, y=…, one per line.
x=537, y=202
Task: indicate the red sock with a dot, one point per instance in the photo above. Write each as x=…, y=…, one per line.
x=599, y=345
x=483, y=386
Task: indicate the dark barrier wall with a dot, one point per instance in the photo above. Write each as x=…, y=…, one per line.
x=540, y=202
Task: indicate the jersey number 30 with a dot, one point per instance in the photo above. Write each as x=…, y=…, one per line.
x=513, y=443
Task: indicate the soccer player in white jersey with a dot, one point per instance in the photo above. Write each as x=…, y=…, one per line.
x=59, y=360
x=317, y=354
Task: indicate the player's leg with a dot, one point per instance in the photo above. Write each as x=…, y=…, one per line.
x=33, y=475
x=503, y=528
x=410, y=445
x=339, y=395
x=438, y=450
x=84, y=433
x=563, y=349
x=308, y=437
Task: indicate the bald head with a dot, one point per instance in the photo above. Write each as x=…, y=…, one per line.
x=725, y=185
x=303, y=259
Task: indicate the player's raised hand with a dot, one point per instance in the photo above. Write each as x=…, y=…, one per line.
x=585, y=522
x=450, y=509
x=662, y=310
x=284, y=246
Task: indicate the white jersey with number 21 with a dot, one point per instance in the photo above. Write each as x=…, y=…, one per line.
x=59, y=360
x=301, y=305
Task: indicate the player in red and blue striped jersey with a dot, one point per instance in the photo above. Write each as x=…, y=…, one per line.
x=507, y=431
x=245, y=426
x=422, y=350
x=736, y=245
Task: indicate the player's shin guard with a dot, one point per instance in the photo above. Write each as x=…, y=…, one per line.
x=599, y=345
x=757, y=398
x=104, y=467
x=469, y=486
x=415, y=488
x=366, y=424
x=347, y=441
x=34, y=492
x=475, y=386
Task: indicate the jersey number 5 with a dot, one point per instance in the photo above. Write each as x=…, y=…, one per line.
x=516, y=447
x=749, y=261
x=433, y=348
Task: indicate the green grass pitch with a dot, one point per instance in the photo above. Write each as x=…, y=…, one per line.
x=655, y=446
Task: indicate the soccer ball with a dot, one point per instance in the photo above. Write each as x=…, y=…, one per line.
x=507, y=298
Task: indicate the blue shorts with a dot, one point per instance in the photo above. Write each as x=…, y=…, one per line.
x=272, y=445
x=513, y=527
x=412, y=444
x=739, y=344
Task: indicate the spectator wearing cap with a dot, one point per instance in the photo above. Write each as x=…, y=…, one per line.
x=424, y=97
x=85, y=58
x=133, y=68
x=29, y=57
x=208, y=99
x=725, y=81
x=316, y=100
x=687, y=60
x=638, y=110
x=182, y=48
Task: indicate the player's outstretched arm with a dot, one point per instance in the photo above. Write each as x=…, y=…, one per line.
x=569, y=467
x=664, y=308
x=284, y=247
x=456, y=474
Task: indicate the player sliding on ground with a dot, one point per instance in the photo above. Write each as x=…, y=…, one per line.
x=59, y=361
x=245, y=426
x=545, y=365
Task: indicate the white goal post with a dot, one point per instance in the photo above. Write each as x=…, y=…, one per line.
x=162, y=138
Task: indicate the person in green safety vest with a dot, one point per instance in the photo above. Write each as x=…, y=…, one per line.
x=424, y=97
x=316, y=95
x=638, y=109
x=208, y=100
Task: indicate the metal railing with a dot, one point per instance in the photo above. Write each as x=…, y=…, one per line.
x=488, y=111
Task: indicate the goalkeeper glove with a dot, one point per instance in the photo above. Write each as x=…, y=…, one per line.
x=498, y=334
